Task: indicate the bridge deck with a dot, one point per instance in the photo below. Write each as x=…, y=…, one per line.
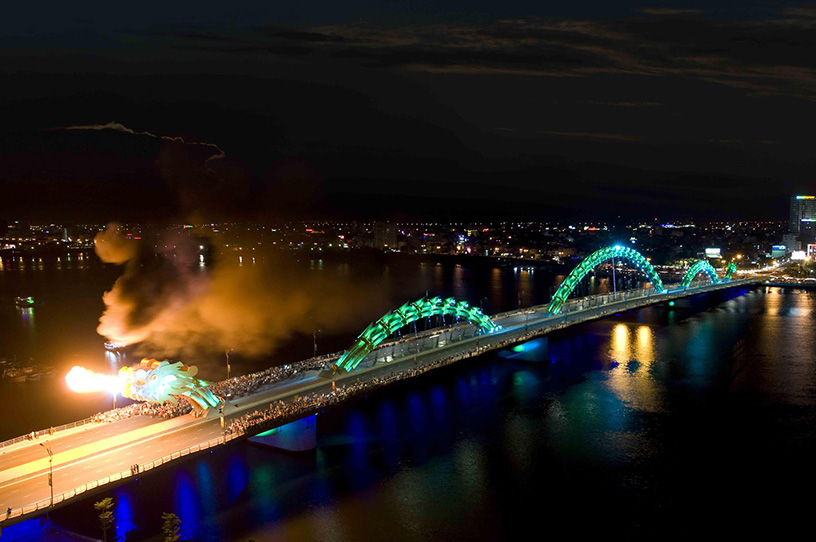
x=100, y=451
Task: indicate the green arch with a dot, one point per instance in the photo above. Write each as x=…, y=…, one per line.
x=700, y=266
x=574, y=278
x=730, y=269
x=378, y=331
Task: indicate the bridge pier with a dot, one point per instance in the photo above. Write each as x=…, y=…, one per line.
x=297, y=436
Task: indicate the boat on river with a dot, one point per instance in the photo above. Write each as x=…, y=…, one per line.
x=114, y=346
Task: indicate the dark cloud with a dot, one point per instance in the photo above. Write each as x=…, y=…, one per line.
x=671, y=12
x=338, y=114
x=294, y=35
x=617, y=137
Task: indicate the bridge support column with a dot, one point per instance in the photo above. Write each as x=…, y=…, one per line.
x=298, y=436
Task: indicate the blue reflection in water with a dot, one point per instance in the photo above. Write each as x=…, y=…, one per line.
x=122, y=513
x=417, y=417
x=416, y=412
x=262, y=484
x=525, y=386
x=186, y=505
x=237, y=478
x=30, y=529
x=389, y=430
x=320, y=488
x=439, y=403
x=359, y=448
x=463, y=395
x=208, y=499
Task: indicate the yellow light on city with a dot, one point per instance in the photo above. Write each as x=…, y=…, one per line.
x=739, y=256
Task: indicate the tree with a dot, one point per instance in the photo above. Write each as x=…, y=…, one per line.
x=171, y=527
x=104, y=507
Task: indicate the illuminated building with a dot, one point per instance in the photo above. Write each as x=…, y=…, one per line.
x=385, y=235
x=802, y=214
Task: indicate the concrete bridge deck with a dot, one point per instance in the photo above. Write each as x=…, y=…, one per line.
x=104, y=453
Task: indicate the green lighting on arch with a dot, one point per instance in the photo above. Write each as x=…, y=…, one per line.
x=730, y=269
x=378, y=331
x=700, y=266
x=589, y=263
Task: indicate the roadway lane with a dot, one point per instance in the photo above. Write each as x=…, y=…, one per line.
x=191, y=431
x=31, y=450
x=432, y=347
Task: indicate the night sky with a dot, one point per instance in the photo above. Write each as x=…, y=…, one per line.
x=405, y=110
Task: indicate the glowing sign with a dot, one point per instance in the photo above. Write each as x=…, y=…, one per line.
x=798, y=255
x=805, y=197
x=713, y=253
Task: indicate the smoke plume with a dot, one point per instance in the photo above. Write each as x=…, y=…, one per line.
x=173, y=307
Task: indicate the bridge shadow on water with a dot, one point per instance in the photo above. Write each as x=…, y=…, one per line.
x=660, y=422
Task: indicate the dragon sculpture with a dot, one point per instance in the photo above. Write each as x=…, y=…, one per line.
x=162, y=381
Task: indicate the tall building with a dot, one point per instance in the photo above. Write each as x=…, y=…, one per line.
x=802, y=215
x=385, y=235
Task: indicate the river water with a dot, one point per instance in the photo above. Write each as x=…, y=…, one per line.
x=691, y=421
x=60, y=329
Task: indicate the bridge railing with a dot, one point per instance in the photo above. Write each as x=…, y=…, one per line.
x=46, y=432
x=115, y=477
x=604, y=299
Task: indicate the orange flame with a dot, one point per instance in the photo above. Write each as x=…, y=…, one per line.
x=82, y=380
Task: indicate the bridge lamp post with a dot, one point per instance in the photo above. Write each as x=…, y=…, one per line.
x=50, y=471
x=223, y=422
x=314, y=341
x=614, y=281
x=227, y=353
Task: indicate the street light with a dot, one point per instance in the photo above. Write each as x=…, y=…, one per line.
x=227, y=353
x=223, y=423
x=50, y=471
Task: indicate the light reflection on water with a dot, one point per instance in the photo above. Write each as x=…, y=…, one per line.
x=636, y=413
x=187, y=506
x=632, y=350
x=123, y=519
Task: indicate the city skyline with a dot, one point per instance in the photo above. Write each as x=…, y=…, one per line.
x=406, y=270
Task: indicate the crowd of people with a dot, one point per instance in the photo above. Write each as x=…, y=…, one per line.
x=234, y=388
x=306, y=404
x=241, y=386
x=154, y=410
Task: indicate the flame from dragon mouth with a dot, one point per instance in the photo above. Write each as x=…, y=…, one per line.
x=83, y=380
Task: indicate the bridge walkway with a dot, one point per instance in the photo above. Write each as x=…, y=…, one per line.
x=137, y=446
